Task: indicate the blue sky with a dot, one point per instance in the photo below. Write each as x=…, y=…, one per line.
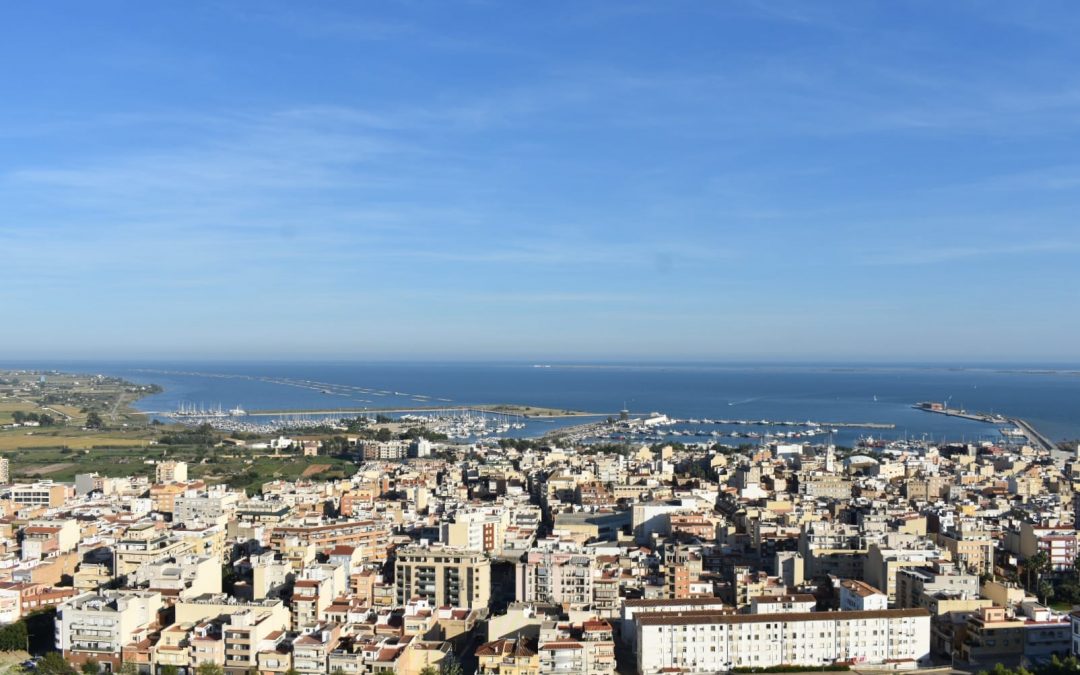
x=718, y=180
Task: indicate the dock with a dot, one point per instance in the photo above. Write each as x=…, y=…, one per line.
x=1034, y=437
x=1037, y=439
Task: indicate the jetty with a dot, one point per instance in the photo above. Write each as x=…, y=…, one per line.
x=1034, y=437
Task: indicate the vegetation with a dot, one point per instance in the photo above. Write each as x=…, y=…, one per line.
x=1056, y=666
x=44, y=419
x=202, y=435
x=209, y=668
x=54, y=663
x=14, y=637
x=94, y=421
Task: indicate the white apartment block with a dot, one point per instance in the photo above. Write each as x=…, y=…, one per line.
x=859, y=596
x=709, y=642
x=99, y=625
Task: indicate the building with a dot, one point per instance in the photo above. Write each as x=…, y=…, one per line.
x=882, y=564
x=146, y=543
x=859, y=596
x=556, y=578
x=973, y=549
x=1058, y=543
x=370, y=537
x=508, y=656
x=443, y=576
x=916, y=586
x=5, y=471
x=98, y=625
x=994, y=634
x=212, y=506
x=783, y=604
x=708, y=642
x=41, y=493
x=171, y=471
x=477, y=530
x=582, y=649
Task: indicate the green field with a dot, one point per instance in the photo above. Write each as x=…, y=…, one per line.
x=238, y=468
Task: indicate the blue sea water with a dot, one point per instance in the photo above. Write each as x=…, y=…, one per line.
x=1047, y=397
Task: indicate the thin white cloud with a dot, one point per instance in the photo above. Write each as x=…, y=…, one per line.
x=930, y=254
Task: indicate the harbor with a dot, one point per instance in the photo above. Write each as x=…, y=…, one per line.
x=1020, y=427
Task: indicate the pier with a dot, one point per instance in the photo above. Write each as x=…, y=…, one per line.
x=787, y=423
x=1037, y=439
x=1034, y=437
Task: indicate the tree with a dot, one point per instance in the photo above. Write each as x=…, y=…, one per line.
x=451, y=666
x=54, y=663
x=13, y=636
x=209, y=668
x=169, y=670
x=429, y=670
x=91, y=667
x=94, y=421
x=129, y=668
x=1046, y=591
x=1034, y=567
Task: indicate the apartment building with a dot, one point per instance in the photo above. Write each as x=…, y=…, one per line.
x=443, y=576
x=583, y=649
x=1058, y=543
x=44, y=493
x=508, y=656
x=917, y=586
x=709, y=642
x=371, y=537
x=859, y=596
x=972, y=549
x=996, y=634
x=98, y=625
x=213, y=506
x=559, y=578
x=170, y=471
x=144, y=543
x=482, y=530
x=883, y=564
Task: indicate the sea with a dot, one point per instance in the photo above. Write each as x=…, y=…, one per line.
x=1047, y=396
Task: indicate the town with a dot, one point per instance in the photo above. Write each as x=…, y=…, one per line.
x=530, y=556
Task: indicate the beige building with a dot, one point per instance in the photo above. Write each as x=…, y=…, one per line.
x=145, y=543
x=971, y=548
x=42, y=493
x=882, y=565
x=558, y=578
x=478, y=530
x=443, y=576
x=584, y=649
x=171, y=472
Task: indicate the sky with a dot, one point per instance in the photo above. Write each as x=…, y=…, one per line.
x=746, y=179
